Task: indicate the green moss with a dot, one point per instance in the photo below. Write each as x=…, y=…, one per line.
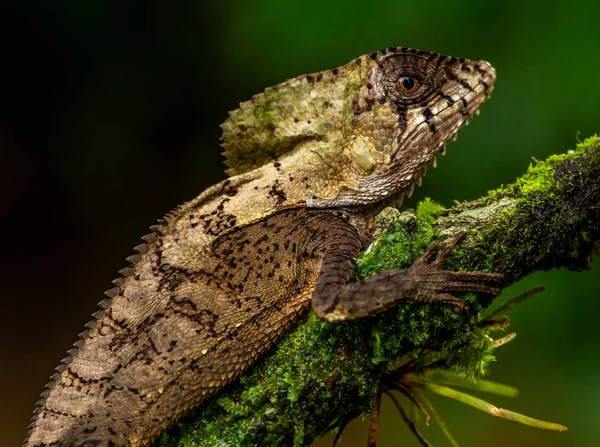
x=540, y=178
x=401, y=247
x=321, y=374
x=545, y=204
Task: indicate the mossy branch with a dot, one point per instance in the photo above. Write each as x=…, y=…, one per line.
x=321, y=375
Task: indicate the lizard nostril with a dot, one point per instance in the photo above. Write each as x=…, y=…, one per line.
x=467, y=69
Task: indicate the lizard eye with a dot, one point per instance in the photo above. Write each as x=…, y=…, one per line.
x=408, y=85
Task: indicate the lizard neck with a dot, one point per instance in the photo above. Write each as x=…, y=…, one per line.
x=362, y=218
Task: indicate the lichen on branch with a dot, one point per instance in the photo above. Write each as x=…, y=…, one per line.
x=320, y=375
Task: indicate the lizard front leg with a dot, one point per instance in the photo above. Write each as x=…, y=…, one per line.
x=336, y=297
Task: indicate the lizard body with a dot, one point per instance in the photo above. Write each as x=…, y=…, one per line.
x=222, y=277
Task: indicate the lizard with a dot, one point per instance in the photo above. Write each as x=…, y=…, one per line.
x=219, y=279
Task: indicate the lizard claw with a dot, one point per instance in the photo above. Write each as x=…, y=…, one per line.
x=450, y=248
x=436, y=248
x=449, y=299
x=439, y=284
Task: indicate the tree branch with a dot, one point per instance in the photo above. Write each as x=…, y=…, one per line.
x=321, y=375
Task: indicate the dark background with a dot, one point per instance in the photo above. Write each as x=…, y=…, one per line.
x=109, y=117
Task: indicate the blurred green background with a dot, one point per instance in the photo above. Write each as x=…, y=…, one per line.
x=109, y=115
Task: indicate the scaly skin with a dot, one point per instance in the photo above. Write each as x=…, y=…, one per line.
x=222, y=277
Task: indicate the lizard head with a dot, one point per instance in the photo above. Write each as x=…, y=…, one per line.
x=409, y=104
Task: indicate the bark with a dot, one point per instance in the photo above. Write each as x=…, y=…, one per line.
x=321, y=375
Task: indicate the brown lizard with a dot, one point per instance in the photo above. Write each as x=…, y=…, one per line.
x=221, y=278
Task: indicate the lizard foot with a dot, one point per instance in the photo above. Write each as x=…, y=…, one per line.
x=438, y=285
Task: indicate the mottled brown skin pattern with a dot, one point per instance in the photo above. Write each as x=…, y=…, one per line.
x=220, y=279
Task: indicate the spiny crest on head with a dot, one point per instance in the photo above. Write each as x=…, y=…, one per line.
x=378, y=55
x=276, y=121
